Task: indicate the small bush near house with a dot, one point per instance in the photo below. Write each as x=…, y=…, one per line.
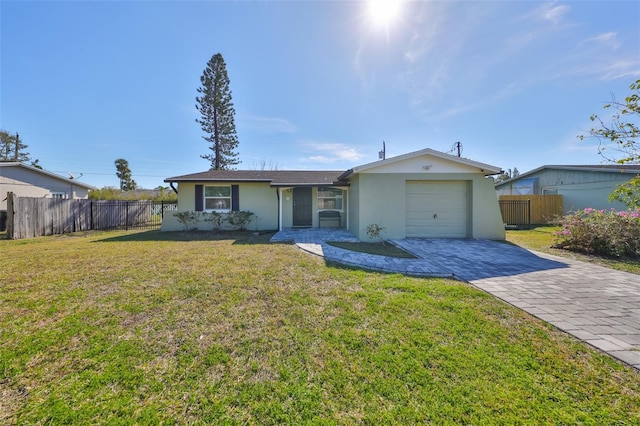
x=374, y=231
x=607, y=233
x=189, y=220
x=216, y=219
x=239, y=220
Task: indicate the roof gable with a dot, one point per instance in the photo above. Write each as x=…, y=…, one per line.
x=426, y=160
x=36, y=170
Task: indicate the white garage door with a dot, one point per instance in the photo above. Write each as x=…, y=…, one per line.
x=436, y=209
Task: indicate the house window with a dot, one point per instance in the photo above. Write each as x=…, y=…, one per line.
x=549, y=191
x=58, y=195
x=329, y=199
x=217, y=198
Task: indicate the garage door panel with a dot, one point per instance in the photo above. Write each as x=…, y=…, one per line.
x=436, y=209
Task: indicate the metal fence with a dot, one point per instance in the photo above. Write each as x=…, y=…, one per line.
x=543, y=209
x=33, y=217
x=516, y=212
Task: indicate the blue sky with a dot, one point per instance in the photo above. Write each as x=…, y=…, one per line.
x=315, y=84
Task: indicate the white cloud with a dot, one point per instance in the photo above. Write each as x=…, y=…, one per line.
x=601, y=62
x=330, y=153
x=616, y=69
x=601, y=56
x=542, y=23
x=269, y=124
x=553, y=13
x=610, y=40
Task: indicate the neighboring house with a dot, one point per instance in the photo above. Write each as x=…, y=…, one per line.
x=421, y=194
x=580, y=186
x=28, y=181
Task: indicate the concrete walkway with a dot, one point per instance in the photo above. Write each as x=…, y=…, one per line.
x=598, y=305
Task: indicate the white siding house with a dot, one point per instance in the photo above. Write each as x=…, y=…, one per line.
x=580, y=186
x=28, y=181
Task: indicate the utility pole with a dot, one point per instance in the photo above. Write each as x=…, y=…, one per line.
x=383, y=154
x=15, y=154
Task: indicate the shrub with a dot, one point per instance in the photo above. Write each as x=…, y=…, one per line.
x=609, y=233
x=239, y=220
x=189, y=220
x=374, y=231
x=216, y=219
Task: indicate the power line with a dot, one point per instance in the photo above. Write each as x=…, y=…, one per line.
x=106, y=174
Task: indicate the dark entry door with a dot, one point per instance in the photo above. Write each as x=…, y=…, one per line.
x=302, y=212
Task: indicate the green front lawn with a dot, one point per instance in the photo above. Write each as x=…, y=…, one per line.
x=148, y=328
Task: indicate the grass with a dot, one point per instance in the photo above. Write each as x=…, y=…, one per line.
x=378, y=248
x=175, y=328
x=541, y=239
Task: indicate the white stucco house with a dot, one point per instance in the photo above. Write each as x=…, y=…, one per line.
x=425, y=193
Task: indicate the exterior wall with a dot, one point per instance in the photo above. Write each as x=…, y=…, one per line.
x=594, y=195
x=486, y=219
x=579, y=189
x=287, y=208
x=27, y=183
x=389, y=210
x=256, y=197
x=354, y=205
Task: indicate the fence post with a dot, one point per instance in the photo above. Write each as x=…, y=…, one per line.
x=10, y=215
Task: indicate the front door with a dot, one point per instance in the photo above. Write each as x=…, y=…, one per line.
x=302, y=211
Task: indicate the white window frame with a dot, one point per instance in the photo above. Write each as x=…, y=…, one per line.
x=341, y=197
x=58, y=195
x=550, y=191
x=205, y=198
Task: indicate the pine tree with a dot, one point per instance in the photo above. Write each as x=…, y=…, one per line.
x=12, y=148
x=217, y=115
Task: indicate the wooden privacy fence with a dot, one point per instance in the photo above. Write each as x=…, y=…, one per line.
x=33, y=217
x=542, y=209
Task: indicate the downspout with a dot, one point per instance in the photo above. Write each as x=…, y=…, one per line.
x=279, y=195
x=347, y=206
x=173, y=187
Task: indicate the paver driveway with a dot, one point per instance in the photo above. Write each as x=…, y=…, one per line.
x=598, y=305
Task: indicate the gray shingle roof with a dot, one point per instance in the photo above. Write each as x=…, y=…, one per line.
x=606, y=168
x=274, y=177
x=35, y=170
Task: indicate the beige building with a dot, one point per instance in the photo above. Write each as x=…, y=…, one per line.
x=28, y=181
x=425, y=193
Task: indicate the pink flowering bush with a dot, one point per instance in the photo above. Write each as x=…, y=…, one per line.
x=603, y=232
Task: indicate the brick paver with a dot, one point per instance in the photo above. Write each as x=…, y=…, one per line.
x=598, y=305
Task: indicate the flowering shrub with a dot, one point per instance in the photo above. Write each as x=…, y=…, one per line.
x=608, y=233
